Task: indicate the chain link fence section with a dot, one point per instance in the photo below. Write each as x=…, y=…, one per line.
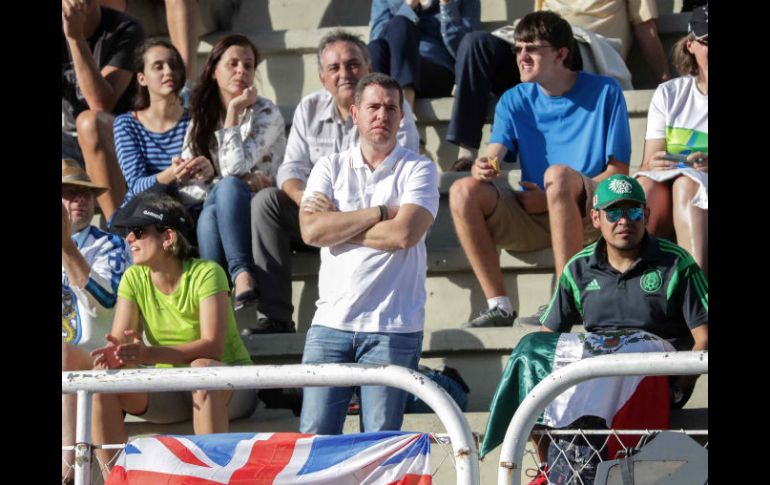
x=97, y=467
x=573, y=455
x=444, y=444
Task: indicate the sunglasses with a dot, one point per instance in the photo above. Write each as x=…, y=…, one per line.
x=529, y=48
x=140, y=231
x=704, y=41
x=137, y=231
x=633, y=214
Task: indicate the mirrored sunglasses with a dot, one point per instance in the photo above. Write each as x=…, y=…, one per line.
x=633, y=214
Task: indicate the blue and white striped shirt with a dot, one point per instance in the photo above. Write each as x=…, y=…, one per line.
x=143, y=153
x=87, y=312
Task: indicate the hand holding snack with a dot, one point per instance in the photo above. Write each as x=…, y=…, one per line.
x=494, y=163
x=486, y=169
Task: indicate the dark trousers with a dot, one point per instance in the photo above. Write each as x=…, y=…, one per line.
x=485, y=64
x=274, y=232
x=397, y=54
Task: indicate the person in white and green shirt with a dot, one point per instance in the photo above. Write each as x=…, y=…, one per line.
x=678, y=124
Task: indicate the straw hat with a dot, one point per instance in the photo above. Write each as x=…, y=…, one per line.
x=73, y=174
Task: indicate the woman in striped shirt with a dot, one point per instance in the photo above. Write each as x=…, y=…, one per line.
x=148, y=140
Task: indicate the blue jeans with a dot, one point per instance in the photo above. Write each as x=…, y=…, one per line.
x=382, y=407
x=224, y=234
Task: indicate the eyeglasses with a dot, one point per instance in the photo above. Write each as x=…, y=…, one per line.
x=529, y=48
x=704, y=41
x=633, y=214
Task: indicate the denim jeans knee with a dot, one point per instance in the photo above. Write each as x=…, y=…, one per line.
x=324, y=408
x=227, y=229
x=382, y=407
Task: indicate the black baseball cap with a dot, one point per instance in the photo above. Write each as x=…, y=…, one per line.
x=699, y=22
x=145, y=209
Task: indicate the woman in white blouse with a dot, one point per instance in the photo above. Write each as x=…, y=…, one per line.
x=242, y=135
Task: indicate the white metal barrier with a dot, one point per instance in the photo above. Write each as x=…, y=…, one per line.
x=631, y=364
x=84, y=383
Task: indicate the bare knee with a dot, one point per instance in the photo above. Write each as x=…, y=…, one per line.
x=73, y=358
x=561, y=182
x=467, y=194
x=93, y=127
x=87, y=125
x=204, y=362
x=684, y=189
x=66, y=357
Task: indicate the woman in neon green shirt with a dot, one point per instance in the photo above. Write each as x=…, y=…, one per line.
x=182, y=305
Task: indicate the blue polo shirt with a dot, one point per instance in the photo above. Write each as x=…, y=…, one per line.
x=581, y=129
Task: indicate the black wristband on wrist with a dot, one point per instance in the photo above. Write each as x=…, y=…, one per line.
x=383, y=213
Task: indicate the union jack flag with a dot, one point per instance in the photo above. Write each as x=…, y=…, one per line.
x=387, y=458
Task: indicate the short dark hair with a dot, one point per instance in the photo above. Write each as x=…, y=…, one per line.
x=683, y=60
x=552, y=28
x=142, y=97
x=340, y=35
x=379, y=79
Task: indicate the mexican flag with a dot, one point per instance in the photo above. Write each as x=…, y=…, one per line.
x=635, y=402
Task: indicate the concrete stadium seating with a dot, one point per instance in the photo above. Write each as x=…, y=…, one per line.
x=287, y=32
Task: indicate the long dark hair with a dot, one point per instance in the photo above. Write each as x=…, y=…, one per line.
x=142, y=97
x=205, y=104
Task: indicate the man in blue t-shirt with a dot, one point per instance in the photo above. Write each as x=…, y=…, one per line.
x=570, y=130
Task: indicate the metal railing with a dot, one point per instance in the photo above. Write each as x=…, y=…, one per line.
x=631, y=364
x=84, y=383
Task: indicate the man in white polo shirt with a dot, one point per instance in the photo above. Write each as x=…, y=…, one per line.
x=368, y=208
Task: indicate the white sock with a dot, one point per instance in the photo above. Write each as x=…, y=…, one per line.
x=500, y=301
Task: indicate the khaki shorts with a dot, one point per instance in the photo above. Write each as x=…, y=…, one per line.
x=176, y=406
x=513, y=229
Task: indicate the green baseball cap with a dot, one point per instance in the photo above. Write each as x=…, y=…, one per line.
x=617, y=188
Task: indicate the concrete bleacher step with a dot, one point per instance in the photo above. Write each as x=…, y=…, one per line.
x=288, y=36
x=305, y=14
x=281, y=420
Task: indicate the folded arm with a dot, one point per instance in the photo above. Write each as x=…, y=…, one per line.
x=404, y=231
x=324, y=227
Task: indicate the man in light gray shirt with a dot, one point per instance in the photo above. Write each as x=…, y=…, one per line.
x=322, y=126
